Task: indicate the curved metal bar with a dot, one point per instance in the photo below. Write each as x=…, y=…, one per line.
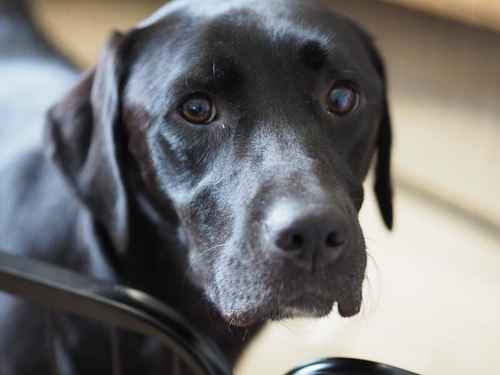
x=115, y=305
x=345, y=366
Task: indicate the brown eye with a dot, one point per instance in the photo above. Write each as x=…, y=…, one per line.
x=342, y=98
x=198, y=109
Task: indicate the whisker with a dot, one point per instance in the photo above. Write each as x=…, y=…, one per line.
x=372, y=291
x=189, y=266
x=214, y=248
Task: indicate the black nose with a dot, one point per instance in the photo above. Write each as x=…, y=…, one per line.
x=312, y=236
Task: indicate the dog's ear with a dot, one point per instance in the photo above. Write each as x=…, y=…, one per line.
x=383, y=178
x=83, y=138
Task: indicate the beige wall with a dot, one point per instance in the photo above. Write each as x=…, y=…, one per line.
x=82, y=27
x=478, y=12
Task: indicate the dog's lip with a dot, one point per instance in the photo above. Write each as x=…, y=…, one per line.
x=347, y=306
x=245, y=319
x=350, y=305
x=308, y=296
x=311, y=302
x=307, y=302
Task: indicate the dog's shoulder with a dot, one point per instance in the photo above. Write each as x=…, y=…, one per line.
x=37, y=209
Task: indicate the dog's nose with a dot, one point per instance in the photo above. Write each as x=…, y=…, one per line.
x=310, y=235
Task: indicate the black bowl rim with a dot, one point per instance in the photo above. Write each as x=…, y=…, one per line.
x=348, y=365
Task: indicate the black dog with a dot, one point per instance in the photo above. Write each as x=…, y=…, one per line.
x=214, y=158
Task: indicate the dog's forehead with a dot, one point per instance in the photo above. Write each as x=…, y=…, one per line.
x=199, y=32
x=196, y=40
x=278, y=18
x=243, y=35
x=216, y=8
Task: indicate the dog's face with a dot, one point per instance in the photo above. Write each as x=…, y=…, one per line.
x=254, y=124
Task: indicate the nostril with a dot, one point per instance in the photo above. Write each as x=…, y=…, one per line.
x=291, y=241
x=333, y=240
x=297, y=242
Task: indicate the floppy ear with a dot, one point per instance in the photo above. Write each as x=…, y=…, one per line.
x=383, y=178
x=83, y=137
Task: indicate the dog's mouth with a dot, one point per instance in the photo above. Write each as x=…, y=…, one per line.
x=249, y=287
x=246, y=292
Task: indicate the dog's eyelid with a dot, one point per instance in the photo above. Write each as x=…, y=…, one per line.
x=336, y=73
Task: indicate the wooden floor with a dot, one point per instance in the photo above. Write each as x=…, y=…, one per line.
x=433, y=303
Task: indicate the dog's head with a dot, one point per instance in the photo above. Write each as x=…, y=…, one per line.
x=253, y=124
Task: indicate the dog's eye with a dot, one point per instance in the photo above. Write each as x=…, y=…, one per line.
x=198, y=109
x=342, y=98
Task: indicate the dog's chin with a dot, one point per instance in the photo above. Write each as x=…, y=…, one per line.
x=305, y=306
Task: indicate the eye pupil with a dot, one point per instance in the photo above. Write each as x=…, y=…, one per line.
x=198, y=110
x=342, y=99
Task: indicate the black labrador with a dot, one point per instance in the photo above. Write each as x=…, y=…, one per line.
x=213, y=158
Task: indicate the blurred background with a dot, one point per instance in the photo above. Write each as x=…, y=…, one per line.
x=433, y=290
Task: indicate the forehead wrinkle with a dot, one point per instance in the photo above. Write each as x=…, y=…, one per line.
x=307, y=44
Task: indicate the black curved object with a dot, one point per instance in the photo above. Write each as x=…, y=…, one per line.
x=348, y=366
x=134, y=310
x=115, y=305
